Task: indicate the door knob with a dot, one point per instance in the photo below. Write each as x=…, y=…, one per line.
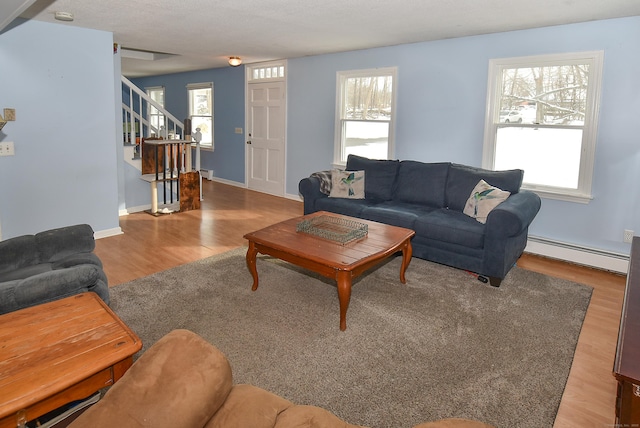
x=249, y=142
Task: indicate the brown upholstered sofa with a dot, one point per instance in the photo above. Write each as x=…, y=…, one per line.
x=184, y=382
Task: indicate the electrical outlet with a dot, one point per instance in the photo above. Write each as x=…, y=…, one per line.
x=238, y=130
x=628, y=236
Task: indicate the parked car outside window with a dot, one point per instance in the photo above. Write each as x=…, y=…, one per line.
x=510, y=116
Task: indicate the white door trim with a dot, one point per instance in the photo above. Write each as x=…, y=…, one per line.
x=249, y=79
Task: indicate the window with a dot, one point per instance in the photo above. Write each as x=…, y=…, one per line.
x=267, y=72
x=155, y=118
x=365, y=114
x=542, y=118
x=201, y=111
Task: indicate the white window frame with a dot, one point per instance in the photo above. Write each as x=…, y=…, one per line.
x=341, y=78
x=590, y=128
x=195, y=86
x=266, y=72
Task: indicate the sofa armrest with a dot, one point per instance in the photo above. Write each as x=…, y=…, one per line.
x=309, y=188
x=513, y=216
x=56, y=244
x=52, y=285
x=180, y=381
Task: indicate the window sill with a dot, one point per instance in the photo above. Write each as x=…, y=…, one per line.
x=561, y=196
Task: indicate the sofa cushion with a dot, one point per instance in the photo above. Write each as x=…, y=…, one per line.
x=25, y=272
x=350, y=207
x=249, y=406
x=380, y=176
x=422, y=183
x=395, y=213
x=462, y=179
x=451, y=226
x=305, y=416
x=56, y=244
x=347, y=184
x=18, y=252
x=484, y=197
x=77, y=259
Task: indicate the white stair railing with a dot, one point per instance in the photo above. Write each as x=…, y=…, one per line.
x=134, y=117
x=136, y=125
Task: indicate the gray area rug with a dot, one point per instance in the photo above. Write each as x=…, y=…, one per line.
x=443, y=345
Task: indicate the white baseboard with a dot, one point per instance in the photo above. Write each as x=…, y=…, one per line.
x=131, y=210
x=599, y=259
x=229, y=182
x=107, y=232
x=295, y=197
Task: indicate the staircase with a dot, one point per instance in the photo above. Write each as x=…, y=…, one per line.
x=135, y=125
x=157, y=151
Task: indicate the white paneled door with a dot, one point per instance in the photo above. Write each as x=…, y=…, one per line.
x=266, y=137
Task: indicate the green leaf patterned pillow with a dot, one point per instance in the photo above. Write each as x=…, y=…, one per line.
x=484, y=197
x=347, y=184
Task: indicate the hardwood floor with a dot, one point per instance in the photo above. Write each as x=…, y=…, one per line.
x=151, y=244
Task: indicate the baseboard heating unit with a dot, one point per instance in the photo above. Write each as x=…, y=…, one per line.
x=600, y=259
x=207, y=173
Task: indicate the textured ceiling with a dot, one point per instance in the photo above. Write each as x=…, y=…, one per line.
x=202, y=34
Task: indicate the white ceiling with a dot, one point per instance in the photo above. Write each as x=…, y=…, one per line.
x=204, y=33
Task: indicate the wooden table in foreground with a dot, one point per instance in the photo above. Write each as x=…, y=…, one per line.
x=330, y=259
x=59, y=352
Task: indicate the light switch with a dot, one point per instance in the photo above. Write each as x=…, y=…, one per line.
x=238, y=130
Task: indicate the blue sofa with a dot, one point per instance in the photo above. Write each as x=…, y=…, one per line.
x=430, y=199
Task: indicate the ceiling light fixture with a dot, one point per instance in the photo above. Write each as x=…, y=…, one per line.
x=235, y=61
x=63, y=16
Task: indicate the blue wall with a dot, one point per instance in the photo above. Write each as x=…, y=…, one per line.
x=60, y=80
x=65, y=167
x=442, y=95
x=227, y=160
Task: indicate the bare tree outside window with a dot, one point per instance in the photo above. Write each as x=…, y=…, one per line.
x=549, y=95
x=543, y=119
x=365, y=106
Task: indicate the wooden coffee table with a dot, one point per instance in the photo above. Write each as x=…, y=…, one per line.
x=59, y=352
x=330, y=259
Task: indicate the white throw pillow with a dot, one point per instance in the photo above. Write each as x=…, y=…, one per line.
x=347, y=184
x=484, y=197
